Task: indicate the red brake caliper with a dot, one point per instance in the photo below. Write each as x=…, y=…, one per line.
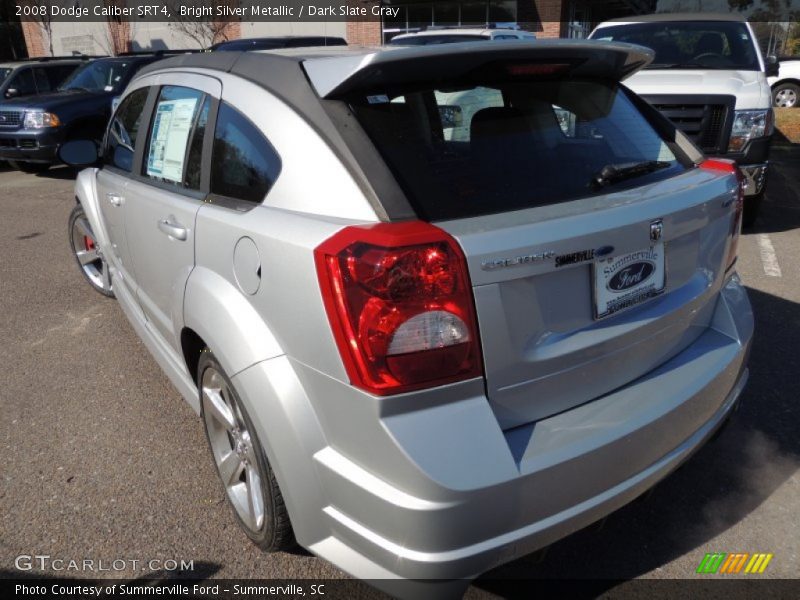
x=88, y=242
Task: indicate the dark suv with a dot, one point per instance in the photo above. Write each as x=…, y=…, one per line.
x=33, y=128
x=36, y=75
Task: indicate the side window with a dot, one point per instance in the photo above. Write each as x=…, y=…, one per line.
x=42, y=82
x=23, y=83
x=244, y=164
x=124, y=130
x=194, y=159
x=58, y=75
x=175, y=121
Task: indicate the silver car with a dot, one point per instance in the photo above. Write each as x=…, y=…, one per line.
x=421, y=355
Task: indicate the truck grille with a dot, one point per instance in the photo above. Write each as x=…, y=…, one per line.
x=705, y=119
x=10, y=118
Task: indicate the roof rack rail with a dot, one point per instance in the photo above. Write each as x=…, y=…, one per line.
x=162, y=52
x=76, y=56
x=514, y=26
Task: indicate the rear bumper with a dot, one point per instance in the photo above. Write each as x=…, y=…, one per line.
x=30, y=146
x=442, y=492
x=754, y=164
x=755, y=177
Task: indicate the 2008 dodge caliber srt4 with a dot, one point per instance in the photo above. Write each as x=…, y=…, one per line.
x=437, y=306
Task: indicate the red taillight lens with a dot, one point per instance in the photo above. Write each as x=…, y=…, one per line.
x=728, y=166
x=399, y=301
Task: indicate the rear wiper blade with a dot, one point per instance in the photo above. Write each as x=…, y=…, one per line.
x=614, y=173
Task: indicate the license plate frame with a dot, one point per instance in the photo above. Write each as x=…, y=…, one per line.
x=624, y=281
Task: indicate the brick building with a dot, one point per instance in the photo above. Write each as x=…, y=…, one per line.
x=548, y=18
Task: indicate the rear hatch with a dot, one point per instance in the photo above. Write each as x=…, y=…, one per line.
x=595, y=248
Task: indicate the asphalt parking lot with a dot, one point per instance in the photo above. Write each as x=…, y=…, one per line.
x=103, y=459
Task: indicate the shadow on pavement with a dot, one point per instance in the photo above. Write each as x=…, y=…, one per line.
x=780, y=210
x=720, y=485
x=61, y=172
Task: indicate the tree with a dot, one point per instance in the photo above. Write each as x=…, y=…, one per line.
x=202, y=28
x=118, y=30
x=40, y=15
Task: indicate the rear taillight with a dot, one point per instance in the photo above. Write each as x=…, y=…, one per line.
x=728, y=166
x=399, y=301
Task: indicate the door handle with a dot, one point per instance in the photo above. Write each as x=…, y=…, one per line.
x=115, y=199
x=173, y=229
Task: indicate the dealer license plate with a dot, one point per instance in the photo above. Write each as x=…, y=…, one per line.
x=623, y=281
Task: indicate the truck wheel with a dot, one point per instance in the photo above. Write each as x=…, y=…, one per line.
x=752, y=206
x=247, y=477
x=786, y=95
x=29, y=167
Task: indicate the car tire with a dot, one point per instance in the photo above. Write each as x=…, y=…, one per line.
x=752, y=206
x=29, y=167
x=87, y=253
x=786, y=95
x=250, y=486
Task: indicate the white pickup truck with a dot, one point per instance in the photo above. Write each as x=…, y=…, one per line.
x=710, y=79
x=786, y=85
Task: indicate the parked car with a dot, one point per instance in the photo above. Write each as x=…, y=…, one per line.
x=450, y=35
x=786, y=84
x=710, y=78
x=421, y=357
x=35, y=76
x=273, y=43
x=33, y=128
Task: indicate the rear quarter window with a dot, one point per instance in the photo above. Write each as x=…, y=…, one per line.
x=467, y=150
x=244, y=164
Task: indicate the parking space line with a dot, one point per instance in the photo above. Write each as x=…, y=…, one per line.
x=768, y=257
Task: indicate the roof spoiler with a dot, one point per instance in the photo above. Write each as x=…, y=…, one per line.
x=336, y=76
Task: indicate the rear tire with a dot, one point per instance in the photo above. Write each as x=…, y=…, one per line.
x=87, y=254
x=752, y=207
x=29, y=167
x=249, y=482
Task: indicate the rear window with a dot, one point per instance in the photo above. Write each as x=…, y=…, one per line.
x=689, y=44
x=480, y=149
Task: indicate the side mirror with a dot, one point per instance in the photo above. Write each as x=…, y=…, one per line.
x=771, y=66
x=11, y=92
x=79, y=153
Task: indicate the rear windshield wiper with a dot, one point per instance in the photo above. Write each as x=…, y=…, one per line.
x=611, y=174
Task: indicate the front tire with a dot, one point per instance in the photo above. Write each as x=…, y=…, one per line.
x=29, y=167
x=786, y=95
x=87, y=254
x=247, y=477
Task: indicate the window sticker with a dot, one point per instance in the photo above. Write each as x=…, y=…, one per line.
x=168, y=139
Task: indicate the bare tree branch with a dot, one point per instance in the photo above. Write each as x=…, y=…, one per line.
x=203, y=29
x=40, y=14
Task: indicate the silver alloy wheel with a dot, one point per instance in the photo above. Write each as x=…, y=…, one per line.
x=785, y=98
x=233, y=449
x=88, y=254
